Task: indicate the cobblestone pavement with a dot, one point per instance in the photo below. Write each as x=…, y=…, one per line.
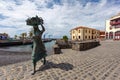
x=100, y=63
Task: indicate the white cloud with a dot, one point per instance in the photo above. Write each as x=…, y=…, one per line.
x=59, y=18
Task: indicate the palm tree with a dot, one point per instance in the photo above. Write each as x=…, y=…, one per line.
x=25, y=35
x=22, y=35
x=30, y=34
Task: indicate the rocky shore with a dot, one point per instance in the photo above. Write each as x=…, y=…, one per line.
x=100, y=63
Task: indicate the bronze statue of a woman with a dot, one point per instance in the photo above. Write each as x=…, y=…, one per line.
x=39, y=50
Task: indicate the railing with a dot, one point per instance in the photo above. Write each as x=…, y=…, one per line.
x=114, y=23
x=116, y=26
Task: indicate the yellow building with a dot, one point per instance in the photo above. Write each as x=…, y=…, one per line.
x=113, y=27
x=84, y=33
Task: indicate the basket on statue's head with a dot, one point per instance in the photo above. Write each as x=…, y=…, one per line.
x=34, y=21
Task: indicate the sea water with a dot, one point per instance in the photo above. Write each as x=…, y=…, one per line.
x=28, y=48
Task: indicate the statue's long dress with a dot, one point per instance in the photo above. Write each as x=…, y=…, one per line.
x=39, y=50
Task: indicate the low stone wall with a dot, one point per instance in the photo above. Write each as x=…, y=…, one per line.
x=63, y=45
x=85, y=45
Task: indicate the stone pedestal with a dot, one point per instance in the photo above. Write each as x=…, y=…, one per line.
x=56, y=49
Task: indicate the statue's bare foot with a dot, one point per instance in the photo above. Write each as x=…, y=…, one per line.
x=43, y=61
x=33, y=72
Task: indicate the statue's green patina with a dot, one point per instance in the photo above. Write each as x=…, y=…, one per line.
x=39, y=50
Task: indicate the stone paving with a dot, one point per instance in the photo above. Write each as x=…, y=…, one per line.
x=100, y=63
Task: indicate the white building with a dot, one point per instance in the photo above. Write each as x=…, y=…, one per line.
x=3, y=36
x=113, y=27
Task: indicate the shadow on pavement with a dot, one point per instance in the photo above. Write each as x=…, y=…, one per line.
x=63, y=66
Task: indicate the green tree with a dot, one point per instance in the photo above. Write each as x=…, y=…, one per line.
x=65, y=38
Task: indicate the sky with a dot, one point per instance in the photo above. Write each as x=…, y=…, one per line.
x=59, y=16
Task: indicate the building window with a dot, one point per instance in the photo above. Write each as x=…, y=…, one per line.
x=89, y=31
x=93, y=37
x=85, y=37
x=79, y=31
x=89, y=37
x=111, y=35
x=79, y=37
x=86, y=30
x=73, y=31
x=73, y=37
x=93, y=32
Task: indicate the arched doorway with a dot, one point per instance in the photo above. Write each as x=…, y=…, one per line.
x=110, y=35
x=117, y=35
x=106, y=35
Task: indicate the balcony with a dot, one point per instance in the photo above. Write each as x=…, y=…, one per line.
x=118, y=26
x=112, y=23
